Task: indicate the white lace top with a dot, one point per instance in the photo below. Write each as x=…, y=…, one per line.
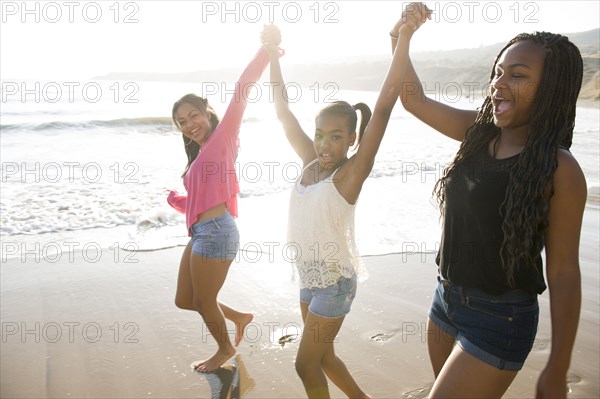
x=321, y=234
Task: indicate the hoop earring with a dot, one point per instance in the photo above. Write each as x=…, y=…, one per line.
x=190, y=142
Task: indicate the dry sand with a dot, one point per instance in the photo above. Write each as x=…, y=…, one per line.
x=75, y=328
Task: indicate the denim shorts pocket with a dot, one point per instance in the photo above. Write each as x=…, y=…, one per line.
x=205, y=234
x=348, y=286
x=527, y=312
x=526, y=306
x=343, y=285
x=499, y=310
x=332, y=301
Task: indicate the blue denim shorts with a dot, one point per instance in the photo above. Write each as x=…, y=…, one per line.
x=497, y=329
x=216, y=238
x=333, y=301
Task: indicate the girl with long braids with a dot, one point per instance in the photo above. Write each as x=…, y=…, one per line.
x=512, y=190
x=211, y=146
x=321, y=214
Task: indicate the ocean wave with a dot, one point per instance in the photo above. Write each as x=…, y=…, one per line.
x=163, y=124
x=157, y=219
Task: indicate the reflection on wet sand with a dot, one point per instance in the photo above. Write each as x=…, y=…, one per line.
x=230, y=381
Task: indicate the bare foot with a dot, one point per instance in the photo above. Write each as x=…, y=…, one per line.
x=240, y=325
x=216, y=361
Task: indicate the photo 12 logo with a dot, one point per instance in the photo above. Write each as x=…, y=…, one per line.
x=71, y=252
x=55, y=172
x=53, y=92
x=270, y=11
x=69, y=331
x=482, y=11
x=53, y=12
x=253, y=92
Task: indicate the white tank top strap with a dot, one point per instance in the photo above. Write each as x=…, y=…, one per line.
x=311, y=163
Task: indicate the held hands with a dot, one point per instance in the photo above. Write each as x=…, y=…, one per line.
x=413, y=16
x=270, y=38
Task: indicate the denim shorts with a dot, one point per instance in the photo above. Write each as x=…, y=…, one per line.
x=497, y=329
x=216, y=238
x=333, y=301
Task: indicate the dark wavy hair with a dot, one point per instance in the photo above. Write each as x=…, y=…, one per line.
x=531, y=184
x=344, y=109
x=191, y=147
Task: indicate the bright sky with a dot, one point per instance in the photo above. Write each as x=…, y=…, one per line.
x=80, y=39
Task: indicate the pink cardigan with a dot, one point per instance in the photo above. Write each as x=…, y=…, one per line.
x=212, y=179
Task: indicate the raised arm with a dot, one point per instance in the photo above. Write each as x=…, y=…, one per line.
x=450, y=121
x=299, y=140
x=232, y=118
x=363, y=160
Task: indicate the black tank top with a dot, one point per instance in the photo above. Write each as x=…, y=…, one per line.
x=469, y=253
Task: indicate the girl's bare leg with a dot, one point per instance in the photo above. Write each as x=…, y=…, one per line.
x=465, y=376
x=240, y=319
x=439, y=345
x=197, y=291
x=208, y=276
x=316, y=358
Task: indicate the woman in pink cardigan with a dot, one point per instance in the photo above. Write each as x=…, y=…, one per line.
x=210, y=208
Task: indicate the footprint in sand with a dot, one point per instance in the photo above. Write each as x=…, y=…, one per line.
x=286, y=339
x=381, y=337
x=419, y=393
x=540, y=344
x=572, y=379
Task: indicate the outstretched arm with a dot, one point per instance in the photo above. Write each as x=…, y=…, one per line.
x=450, y=121
x=299, y=140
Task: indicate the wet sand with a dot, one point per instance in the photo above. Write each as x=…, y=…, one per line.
x=105, y=326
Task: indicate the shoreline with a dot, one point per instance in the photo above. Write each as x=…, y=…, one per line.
x=64, y=242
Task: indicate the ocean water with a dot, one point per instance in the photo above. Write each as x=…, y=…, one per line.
x=91, y=169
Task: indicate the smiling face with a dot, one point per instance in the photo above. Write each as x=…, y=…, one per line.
x=513, y=89
x=332, y=140
x=193, y=123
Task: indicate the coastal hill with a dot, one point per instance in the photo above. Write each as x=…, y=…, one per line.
x=464, y=70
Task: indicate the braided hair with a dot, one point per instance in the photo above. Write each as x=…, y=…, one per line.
x=531, y=185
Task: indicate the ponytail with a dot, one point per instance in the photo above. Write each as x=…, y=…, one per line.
x=365, y=117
